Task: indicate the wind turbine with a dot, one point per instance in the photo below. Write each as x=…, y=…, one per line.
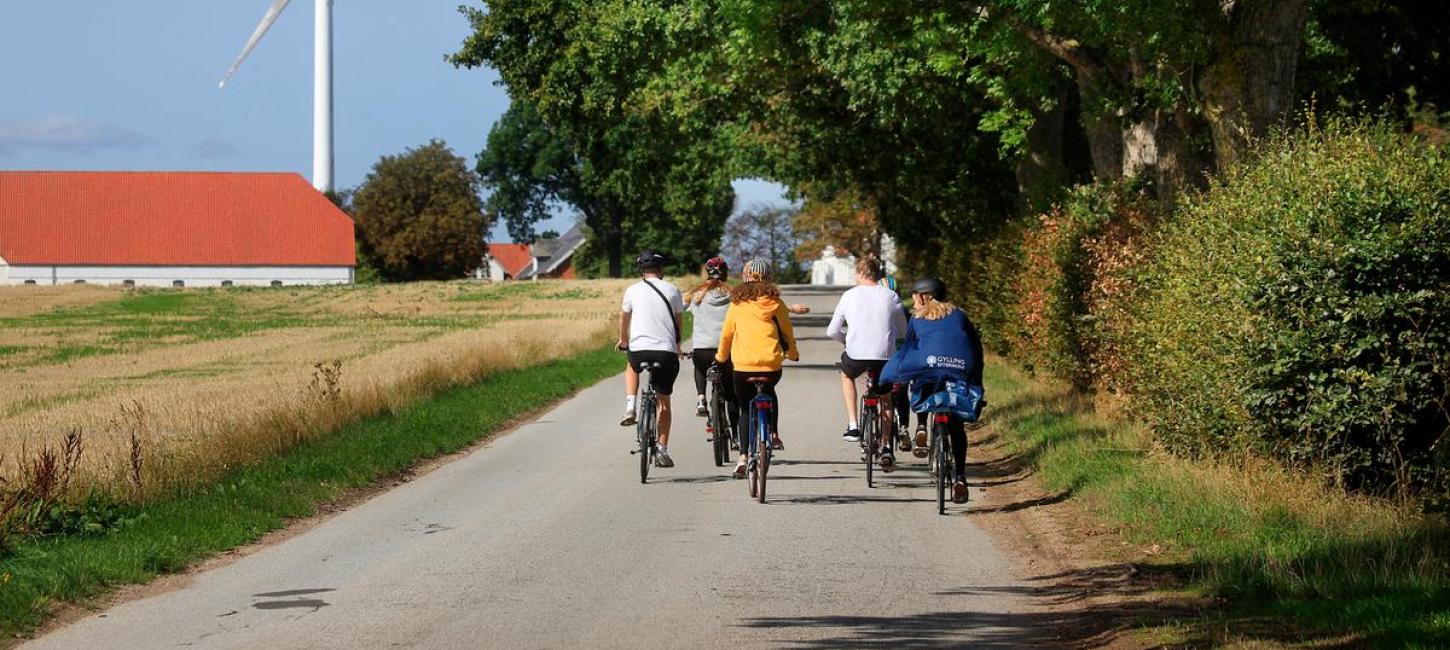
x=321, y=84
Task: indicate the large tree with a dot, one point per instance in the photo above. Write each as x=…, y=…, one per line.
x=659, y=174
x=764, y=233
x=419, y=215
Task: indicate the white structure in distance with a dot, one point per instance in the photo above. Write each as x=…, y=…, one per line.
x=833, y=271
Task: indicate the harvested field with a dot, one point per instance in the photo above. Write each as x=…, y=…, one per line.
x=171, y=388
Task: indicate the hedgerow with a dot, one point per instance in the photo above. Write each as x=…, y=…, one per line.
x=1301, y=306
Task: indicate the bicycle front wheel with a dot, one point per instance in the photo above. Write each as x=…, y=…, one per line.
x=720, y=427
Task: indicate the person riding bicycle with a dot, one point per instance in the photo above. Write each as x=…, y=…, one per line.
x=942, y=359
x=649, y=329
x=709, y=302
x=757, y=338
x=868, y=319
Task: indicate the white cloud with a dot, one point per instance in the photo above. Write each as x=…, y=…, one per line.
x=214, y=148
x=67, y=134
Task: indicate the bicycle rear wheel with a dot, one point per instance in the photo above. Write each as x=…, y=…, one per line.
x=940, y=462
x=752, y=452
x=763, y=461
x=868, y=442
x=646, y=437
x=720, y=427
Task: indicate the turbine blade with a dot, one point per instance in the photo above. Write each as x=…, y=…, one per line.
x=266, y=24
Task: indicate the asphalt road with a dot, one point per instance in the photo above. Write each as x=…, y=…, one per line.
x=545, y=538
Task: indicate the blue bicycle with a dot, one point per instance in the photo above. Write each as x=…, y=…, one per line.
x=755, y=438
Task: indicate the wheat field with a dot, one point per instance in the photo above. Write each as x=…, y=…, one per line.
x=171, y=388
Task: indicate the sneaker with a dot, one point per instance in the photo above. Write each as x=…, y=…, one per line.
x=886, y=460
x=702, y=410
x=959, y=492
x=739, y=469
x=903, y=442
x=662, y=459
x=852, y=435
x=628, y=419
x=920, y=450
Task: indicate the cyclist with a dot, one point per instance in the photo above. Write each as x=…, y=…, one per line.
x=649, y=329
x=868, y=320
x=942, y=358
x=709, y=302
x=757, y=338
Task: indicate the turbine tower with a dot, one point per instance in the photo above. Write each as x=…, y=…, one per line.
x=321, y=84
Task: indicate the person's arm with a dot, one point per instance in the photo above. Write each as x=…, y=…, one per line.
x=623, y=342
x=898, y=322
x=788, y=331
x=727, y=334
x=679, y=330
x=837, y=329
x=974, y=339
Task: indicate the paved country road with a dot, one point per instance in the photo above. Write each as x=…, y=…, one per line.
x=545, y=538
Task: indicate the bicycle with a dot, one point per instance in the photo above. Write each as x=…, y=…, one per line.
x=718, y=424
x=872, y=433
x=646, y=427
x=758, y=441
x=943, y=467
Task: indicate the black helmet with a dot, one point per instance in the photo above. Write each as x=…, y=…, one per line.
x=650, y=259
x=930, y=286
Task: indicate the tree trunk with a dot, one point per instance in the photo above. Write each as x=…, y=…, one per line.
x=1249, y=86
x=1158, y=146
x=1041, y=172
x=1104, y=132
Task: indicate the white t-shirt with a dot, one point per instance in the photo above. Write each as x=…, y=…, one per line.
x=868, y=320
x=651, y=323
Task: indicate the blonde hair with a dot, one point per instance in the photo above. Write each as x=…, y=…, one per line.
x=697, y=295
x=935, y=309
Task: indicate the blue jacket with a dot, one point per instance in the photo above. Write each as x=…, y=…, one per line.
x=948, y=348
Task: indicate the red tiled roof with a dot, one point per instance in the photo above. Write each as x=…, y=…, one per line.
x=170, y=219
x=513, y=257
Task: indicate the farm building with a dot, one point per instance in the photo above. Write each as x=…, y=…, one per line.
x=545, y=258
x=170, y=229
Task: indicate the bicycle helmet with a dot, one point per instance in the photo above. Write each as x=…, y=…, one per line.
x=650, y=259
x=930, y=286
x=716, y=268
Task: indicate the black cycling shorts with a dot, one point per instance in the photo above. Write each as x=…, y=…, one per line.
x=854, y=368
x=662, y=379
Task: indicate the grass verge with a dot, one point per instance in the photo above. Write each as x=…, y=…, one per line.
x=1272, y=543
x=170, y=534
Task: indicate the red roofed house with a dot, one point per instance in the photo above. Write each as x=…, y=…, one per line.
x=507, y=261
x=170, y=229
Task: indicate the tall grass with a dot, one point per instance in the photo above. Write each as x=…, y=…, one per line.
x=1245, y=528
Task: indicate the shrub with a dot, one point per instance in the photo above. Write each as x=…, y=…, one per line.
x=1076, y=281
x=1302, y=306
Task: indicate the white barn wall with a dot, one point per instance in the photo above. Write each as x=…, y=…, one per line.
x=192, y=276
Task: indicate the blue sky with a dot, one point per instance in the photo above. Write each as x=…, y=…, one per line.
x=132, y=85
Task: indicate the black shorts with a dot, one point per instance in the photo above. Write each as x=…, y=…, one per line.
x=854, y=368
x=661, y=379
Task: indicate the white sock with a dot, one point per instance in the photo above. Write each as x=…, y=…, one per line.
x=629, y=403
x=852, y=426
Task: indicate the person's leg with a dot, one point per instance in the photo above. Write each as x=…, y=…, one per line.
x=702, y=358
x=664, y=419
x=742, y=389
x=959, y=460
x=848, y=393
x=775, y=412
x=631, y=389
x=664, y=380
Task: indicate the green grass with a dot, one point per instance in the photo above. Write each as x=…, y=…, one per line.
x=169, y=535
x=1335, y=565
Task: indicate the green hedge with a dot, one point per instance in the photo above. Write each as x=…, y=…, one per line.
x=1302, y=306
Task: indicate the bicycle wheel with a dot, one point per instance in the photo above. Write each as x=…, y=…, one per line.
x=762, y=459
x=720, y=426
x=752, y=453
x=940, y=463
x=868, y=442
x=646, y=437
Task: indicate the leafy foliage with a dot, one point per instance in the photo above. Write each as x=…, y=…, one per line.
x=1303, y=306
x=419, y=215
x=764, y=233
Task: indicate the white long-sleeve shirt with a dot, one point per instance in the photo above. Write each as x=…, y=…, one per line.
x=868, y=320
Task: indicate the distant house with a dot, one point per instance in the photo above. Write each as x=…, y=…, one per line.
x=545, y=258
x=170, y=229
x=506, y=262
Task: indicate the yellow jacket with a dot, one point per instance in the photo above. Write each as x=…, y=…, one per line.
x=749, y=337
